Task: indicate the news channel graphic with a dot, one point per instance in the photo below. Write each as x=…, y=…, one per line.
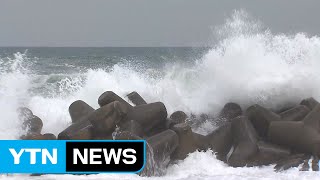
x=72, y=156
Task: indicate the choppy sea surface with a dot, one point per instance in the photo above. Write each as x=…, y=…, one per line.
x=247, y=64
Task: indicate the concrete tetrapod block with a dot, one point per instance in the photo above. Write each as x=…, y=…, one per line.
x=268, y=153
x=187, y=142
x=99, y=123
x=305, y=166
x=103, y=137
x=136, y=99
x=49, y=136
x=149, y=116
x=176, y=118
x=46, y=136
x=220, y=141
x=151, y=168
x=126, y=135
x=132, y=126
x=163, y=145
x=261, y=119
x=315, y=164
x=285, y=132
x=309, y=102
x=313, y=118
x=230, y=111
x=33, y=125
x=109, y=97
x=295, y=135
x=32, y=136
x=78, y=110
x=292, y=161
x=242, y=130
x=105, y=119
x=295, y=114
x=201, y=141
x=81, y=130
x=24, y=113
x=245, y=142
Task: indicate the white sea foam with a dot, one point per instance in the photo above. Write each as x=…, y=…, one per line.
x=248, y=65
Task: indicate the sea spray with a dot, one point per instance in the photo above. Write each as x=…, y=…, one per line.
x=14, y=86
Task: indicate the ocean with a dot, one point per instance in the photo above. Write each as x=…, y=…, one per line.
x=246, y=64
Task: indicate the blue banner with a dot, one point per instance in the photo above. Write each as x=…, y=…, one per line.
x=64, y=156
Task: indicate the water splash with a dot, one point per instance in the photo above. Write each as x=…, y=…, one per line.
x=14, y=86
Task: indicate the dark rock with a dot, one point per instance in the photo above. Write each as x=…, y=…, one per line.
x=105, y=119
x=295, y=114
x=268, y=154
x=230, y=111
x=186, y=141
x=261, y=119
x=149, y=116
x=133, y=127
x=33, y=125
x=136, y=99
x=309, y=102
x=220, y=141
x=245, y=141
x=78, y=110
x=109, y=97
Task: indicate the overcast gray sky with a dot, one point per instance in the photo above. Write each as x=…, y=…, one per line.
x=141, y=22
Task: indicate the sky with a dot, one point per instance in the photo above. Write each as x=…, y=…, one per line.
x=91, y=23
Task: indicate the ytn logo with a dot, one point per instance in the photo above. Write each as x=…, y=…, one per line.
x=32, y=152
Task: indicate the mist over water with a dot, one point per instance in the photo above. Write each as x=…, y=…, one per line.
x=247, y=65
